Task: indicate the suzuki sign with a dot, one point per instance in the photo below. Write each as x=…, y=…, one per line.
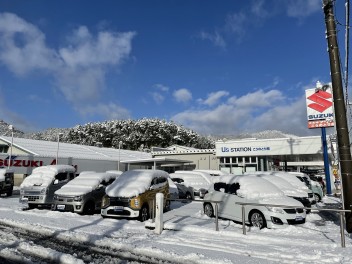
x=320, y=111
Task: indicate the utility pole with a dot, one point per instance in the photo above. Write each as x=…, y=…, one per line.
x=340, y=112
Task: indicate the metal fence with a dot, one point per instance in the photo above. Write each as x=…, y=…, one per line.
x=340, y=211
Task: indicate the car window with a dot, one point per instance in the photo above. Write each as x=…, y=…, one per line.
x=233, y=188
x=220, y=185
x=62, y=176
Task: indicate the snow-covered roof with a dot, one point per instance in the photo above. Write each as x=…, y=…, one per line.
x=54, y=169
x=85, y=183
x=66, y=150
x=134, y=182
x=193, y=179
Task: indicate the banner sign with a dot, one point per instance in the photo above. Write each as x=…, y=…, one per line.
x=320, y=110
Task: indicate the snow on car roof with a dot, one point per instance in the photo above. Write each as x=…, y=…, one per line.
x=283, y=185
x=134, y=182
x=55, y=168
x=204, y=175
x=291, y=179
x=194, y=180
x=252, y=187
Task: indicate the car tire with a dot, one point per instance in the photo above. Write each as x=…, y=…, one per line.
x=89, y=208
x=208, y=210
x=32, y=206
x=188, y=196
x=144, y=213
x=257, y=219
x=317, y=197
x=167, y=205
x=9, y=193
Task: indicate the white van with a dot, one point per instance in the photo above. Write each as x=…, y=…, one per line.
x=38, y=188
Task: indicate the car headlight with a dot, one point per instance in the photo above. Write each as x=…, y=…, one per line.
x=43, y=191
x=77, y=198
x=136, y=202
x=275, y=210
x=105, y=202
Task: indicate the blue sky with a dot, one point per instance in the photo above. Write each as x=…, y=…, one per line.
x=218, y=67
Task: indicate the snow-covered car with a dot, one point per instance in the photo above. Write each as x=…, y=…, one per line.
x=232, y=190
x=184, y=192
x=6, y=181
x=132, y=194
x=287, y=188
x=213, y=172
x=83, y=195
x=38, y=188
x=295, y=182
x=199, y=181
x=315, y=187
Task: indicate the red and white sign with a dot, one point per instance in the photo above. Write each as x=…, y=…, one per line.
x=320, y=110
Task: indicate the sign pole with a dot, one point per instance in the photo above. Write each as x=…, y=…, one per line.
x=326, y=161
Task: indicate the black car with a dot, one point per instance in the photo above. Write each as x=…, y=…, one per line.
x=184, y=192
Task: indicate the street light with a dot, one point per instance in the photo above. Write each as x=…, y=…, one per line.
x=118, y=164
x=57, y=151
x=11, y=129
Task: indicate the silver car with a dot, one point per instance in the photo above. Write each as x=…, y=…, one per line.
x=83, y=194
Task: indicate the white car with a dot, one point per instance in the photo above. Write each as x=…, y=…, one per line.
x=287, y=188
x=232, y=190
x=199, y=181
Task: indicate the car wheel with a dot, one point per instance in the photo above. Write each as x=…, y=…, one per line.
x=188, y=196
x=9, y=193
x=144, y=213
x=89, y=208
x=167, y=206
x=32, y=206
x=317, y=197
x=257, y=219
x=208, y=210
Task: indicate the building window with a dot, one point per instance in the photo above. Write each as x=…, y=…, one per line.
x=4, y=148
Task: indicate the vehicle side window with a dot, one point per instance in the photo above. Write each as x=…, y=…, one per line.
x=62, y=176
x=154, y=181
x=161, y=180
x=72, y=176
x=233, y=188
x=219, y=185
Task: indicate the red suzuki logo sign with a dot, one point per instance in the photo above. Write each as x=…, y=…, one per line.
x=321, y=101
x=320, y=107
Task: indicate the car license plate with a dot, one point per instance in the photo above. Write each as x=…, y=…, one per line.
x=118, y=208
x=60, y=207
x=299, y=218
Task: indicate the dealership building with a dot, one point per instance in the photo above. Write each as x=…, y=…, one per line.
x=233, y=156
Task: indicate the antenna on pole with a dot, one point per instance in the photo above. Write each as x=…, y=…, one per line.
x=340, y=112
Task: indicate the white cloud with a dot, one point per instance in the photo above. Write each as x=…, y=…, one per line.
x=110, y=110
x=157, y=97
x=303, y=8
x=182, y=95
x=78, y=69
x=161, y=87
x=214, y=38
x=214, y=98
x=252, y=112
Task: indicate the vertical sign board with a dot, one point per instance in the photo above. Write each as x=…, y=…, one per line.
x=320, y=110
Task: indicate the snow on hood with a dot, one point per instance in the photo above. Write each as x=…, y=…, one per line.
x=281, y=201
x=291, y=179
x=39, y=179
x=134, y=182
x=84, y=183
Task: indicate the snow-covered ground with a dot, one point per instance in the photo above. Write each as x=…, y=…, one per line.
x=188, y=237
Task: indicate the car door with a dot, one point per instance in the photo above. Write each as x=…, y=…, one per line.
x=229, y=208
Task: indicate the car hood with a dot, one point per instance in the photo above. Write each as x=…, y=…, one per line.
x=38, y=179
x=281, y=201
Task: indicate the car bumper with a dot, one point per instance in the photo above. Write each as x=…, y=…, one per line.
x=277, y=220
x=68, y=207
x=114, y=211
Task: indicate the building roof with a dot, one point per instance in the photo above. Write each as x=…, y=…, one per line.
x=49, y=149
